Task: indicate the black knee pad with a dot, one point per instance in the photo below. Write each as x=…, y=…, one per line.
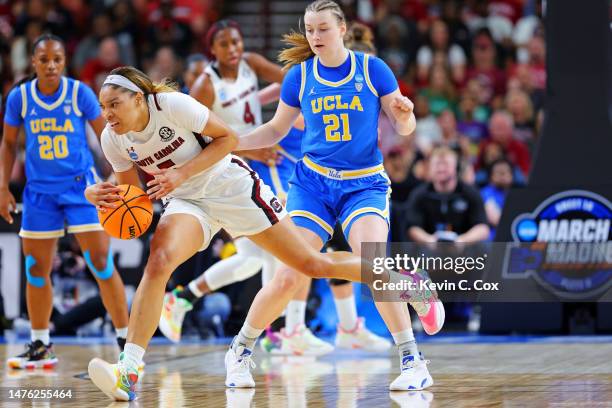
x=338, y=282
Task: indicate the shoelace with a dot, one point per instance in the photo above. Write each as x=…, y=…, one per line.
x=246, y=362
x=413, y=364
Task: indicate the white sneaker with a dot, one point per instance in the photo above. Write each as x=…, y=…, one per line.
x=302, y=343
x=238, y=366
x=360, y=338
x=173, y=314
x=414, y=376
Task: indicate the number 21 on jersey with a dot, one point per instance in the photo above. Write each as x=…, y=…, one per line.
x=333, y=123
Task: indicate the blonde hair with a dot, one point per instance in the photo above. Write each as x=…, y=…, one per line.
x=142, y=81
x=443, y=151
x=359, y=37
x=299, y=50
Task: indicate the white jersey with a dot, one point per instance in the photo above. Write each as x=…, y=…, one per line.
x=171, y=139
x=236, y=102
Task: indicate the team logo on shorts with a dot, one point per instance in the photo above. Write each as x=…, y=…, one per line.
x=166, y=134
x=132, y=153
x=276, y=206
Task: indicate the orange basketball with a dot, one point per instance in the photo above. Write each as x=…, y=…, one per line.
x=132, y=218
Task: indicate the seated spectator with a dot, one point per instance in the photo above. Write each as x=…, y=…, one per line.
x=87, y=49
x=196, y=63
x=491, y=153
x=166, y=28
x=457, y=29
x=439, y=42
x=501, y=131
x=484, y=69
x=21, y=59
x=402, y=166
x=452, y=139
x=96, y=70
x=392, y=50
x=440, y=93
x=468, y=123
x=427, y=131
x=165, y=65
x=520, y=107
x=445, y=209
x=494, y=194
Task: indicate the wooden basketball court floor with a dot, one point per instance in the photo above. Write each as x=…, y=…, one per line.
x=484, y=372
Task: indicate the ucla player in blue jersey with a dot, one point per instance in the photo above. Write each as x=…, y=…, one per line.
x=54, y=111
x=341, y=177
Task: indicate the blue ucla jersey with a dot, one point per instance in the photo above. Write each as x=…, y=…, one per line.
x=341, y=116
x=56, y=142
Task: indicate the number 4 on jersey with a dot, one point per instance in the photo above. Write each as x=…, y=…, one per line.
x=248, y=115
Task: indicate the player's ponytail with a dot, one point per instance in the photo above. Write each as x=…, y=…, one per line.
x=143, y=82
x=299, y=50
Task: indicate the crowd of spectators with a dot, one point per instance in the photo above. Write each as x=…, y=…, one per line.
x=475, y=70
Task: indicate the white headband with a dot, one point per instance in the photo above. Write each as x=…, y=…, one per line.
x=122, y=81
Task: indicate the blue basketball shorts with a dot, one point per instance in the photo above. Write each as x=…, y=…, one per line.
x=316, y=202
x=48, y=215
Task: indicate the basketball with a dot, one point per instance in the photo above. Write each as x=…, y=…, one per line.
x=132, y=218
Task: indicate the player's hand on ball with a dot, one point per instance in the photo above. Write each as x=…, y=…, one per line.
x=402, y=107
x=103, y=195
x=164, y=182
x=7, y=205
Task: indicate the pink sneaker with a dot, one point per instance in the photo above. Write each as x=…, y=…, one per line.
x=425, y=302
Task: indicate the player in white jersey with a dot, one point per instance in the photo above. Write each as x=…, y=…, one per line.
x=204, y=188
x=229, y=88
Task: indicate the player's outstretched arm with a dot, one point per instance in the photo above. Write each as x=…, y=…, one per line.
x=271, y=132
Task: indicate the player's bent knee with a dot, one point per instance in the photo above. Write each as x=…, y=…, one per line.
x=285, y=281
x=36, y=281
x=100, y=265
x=158, y=264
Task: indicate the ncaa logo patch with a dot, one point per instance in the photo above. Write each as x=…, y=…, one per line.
x=166, y=134
x=132, y=153
x=67, y=109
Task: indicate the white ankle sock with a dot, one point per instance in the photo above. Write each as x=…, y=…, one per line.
x=42, y=335
x=133, y=354
x=403, y=336
x=347, y=312
x=296, y=315
x=247, y=337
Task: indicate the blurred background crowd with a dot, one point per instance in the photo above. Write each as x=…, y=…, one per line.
x=475, y=70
